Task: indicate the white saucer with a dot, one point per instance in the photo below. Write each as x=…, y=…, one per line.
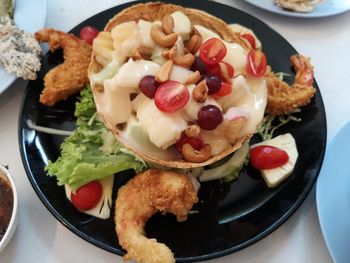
x=333, y=196
x=30, y=16
x=327, y=8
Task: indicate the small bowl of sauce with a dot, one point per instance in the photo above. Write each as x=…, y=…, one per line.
x=8, y=207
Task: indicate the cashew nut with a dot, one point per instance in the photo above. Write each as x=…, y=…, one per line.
x=168, y=24
x=224, y=73
x=164, y=71
x=160, y=38
x=99, y=88
x=193, y=78
x=192, y=131
x=167, y=53
x=192, y=155
x=185, y=61
x=195, y=41
x=200, y=92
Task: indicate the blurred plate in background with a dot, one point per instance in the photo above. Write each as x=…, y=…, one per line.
x=327, y=8
x=30, y=16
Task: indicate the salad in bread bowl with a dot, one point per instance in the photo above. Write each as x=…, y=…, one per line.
x=177, y=86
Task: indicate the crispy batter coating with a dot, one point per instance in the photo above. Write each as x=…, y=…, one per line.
x=71, y=76
x=143, y=196
x=283, y=98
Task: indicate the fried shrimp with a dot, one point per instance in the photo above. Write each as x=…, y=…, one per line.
x=284, y=98
x=71, y=76
x=143, y=196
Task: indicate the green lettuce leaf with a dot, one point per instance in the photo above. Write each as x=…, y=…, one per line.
x=90, y=152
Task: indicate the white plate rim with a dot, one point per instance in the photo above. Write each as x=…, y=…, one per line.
x=25, y=11
x=328, y=8
x=333, y=196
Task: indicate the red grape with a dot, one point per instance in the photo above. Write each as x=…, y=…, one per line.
x=89, y=33
x=209, y=117
x=199, y=65
x=213, y=83
x=148, y=85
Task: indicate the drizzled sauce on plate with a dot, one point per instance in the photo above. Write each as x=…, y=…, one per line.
x=6, y=206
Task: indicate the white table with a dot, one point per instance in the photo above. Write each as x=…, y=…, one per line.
x=41, y=238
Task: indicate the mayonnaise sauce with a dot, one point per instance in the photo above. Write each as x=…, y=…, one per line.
x=248, y=96
x=129, y=75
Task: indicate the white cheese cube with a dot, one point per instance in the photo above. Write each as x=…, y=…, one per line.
x=275, y=176
x=129, y=75
x=182, y=25
x=163, y=129
x=144, y=30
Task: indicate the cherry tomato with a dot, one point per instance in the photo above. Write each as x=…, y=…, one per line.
x=171, y=96
x=195, y=142
x=224, y=90
x=212, y=51
x=87, y=196
x=256, y=63
x=88, y=33
x=267, y=157
x=217, y=71
x=250, y=38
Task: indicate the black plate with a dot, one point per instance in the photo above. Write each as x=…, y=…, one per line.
x=231, y=216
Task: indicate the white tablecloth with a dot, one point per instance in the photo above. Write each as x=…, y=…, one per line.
x=41, y=238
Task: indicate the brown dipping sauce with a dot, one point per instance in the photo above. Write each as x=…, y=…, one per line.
x=6, y=206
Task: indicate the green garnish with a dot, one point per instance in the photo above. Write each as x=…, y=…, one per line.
x=91, y=152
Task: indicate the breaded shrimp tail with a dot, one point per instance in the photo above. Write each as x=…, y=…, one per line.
x=143, y=196
x=71, y=76
x=282, y=98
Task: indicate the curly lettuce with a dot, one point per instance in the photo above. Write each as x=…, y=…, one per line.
x=91, y=152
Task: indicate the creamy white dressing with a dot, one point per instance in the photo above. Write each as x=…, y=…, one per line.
x=180, y=74
x=205, y=32
x=129, y=75
x=106, y=73
x=137, y=137
x=190, y=111
x=122, y=32
x=255, y=103
x=129, y=47
x=217, y=141
x=236, y=56
x=116, y=106
x=157, y=57
x=144, y=31
x=182, y=25
x=240, y=89
x=244, y=30
x=163, y=129
x=140, y=101
x=248, y=97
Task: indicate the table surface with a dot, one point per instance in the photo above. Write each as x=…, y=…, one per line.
x=41, y=238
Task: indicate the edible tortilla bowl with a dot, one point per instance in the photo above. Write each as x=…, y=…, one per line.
x=151, y=12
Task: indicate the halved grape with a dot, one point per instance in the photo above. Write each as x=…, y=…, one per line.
x=148, y=85
x=195, y=142
x=209, y=117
